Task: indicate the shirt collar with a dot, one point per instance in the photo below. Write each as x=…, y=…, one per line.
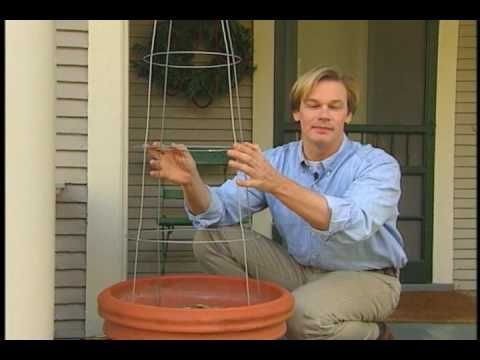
x=330, y=162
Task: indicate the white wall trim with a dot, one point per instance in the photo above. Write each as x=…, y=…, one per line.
x=263, y=102
x=107, y=158
x=443, y=209
x=29, y=179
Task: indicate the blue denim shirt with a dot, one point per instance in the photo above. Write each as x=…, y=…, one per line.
x=361, y=185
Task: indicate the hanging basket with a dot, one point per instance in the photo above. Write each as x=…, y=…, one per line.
x=194, y=307
x=197, y=60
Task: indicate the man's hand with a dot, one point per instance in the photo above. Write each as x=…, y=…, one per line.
x=248, y=158
x=174, y=164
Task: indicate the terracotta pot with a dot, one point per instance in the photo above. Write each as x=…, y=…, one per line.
x=194, y=307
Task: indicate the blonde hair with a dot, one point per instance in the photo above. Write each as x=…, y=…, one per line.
x=307, y=82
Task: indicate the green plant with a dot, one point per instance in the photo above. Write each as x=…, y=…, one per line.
x=201, y=85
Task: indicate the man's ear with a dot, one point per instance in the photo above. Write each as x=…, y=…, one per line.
x=296, y=116
x=348, y=118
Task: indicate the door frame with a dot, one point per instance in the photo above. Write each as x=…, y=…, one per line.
x=442, y=40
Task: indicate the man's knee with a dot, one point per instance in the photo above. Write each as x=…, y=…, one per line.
x=304, y=325
x=311, y=318
x=201, y=244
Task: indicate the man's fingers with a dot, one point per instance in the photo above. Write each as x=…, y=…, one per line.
x=246, y=152
x=154, y=164
x=238, y=155
x=157, y=174
x=153, y=153
x=254, y=147
x=181, y=147
x=236, y=165
x=245, y=148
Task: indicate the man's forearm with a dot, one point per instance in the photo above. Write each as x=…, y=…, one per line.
x=312, y=207
x=196, y=196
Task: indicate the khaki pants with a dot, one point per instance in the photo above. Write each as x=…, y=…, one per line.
x=328, y=304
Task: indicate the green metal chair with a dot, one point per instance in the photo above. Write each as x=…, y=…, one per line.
x=168, y=223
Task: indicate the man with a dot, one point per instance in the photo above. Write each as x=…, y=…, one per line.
x=333, y=201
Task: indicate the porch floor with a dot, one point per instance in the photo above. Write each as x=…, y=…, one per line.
x=423, y=331
x=428, y=331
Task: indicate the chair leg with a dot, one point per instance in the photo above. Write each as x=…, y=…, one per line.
x=165, y=248
x=161, y=252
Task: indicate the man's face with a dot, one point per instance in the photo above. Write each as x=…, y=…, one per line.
x=323, y=114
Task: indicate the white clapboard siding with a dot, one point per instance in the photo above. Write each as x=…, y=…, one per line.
x=72, y=142
x=69, y=56
x=69, y=278
x=174, y=101
x=72, y=125
x=72, y=243
x=73, y=193
x=152, y=246
x=69, y=329
x=139, y=86
x=465, y=244
x=71, y=169
x=465, y=214
x=465, y=172
x=187, y=123
x=72, y=73
x=465, y=150
x=186, y=135
x=183, y=122
x=69, y=312
x=71, y=227
x=66, y=296
x=70, y=260
x=68, y=90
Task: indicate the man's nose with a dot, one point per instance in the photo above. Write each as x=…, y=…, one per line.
x=324, y=111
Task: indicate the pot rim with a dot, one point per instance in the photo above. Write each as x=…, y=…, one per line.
x=108, y=304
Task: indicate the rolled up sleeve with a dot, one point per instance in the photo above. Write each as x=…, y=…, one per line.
x=340, y=214
x=211, y=216
x=224, y=204
x=368, y=204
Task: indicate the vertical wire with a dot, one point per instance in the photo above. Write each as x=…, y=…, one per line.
x=170, y=25
x=157, y=225
x=161, y=188
x=140, y=220
x=242, y=138
x=229, y=56
x=239, y=116
x=232, y=116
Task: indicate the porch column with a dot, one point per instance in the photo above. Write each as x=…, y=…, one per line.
x=263, y=103
x=30, y=179
x=108, y=68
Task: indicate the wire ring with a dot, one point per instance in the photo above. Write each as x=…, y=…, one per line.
x=189, y=241
x=196, y=148
x=181, y=229
x=237, y=59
